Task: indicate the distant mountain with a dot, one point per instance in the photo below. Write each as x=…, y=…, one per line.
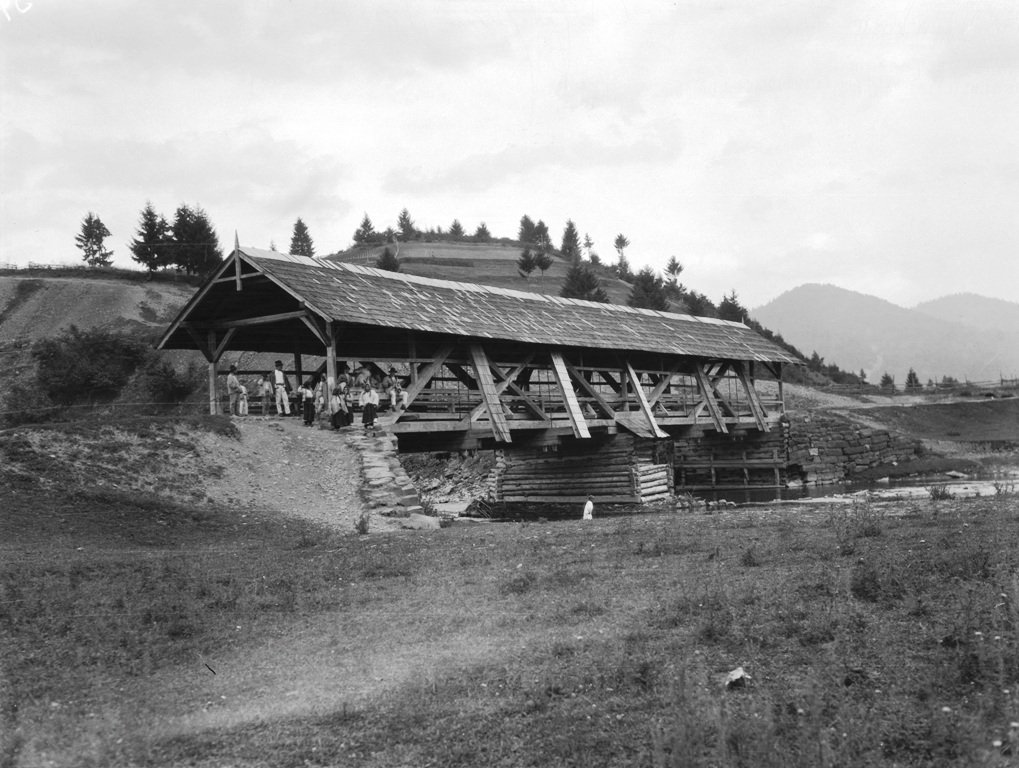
x=973, y=310
x=967, y=337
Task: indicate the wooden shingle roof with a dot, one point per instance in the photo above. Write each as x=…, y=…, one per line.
x=355, y=294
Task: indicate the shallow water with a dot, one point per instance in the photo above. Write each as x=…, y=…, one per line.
x=886, y=490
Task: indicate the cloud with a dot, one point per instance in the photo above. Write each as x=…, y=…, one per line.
x=488, y=170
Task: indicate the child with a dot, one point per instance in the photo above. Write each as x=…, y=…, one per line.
x=308, y=396
x=242, y=401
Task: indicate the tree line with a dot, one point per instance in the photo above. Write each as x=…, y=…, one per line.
x=189, y=243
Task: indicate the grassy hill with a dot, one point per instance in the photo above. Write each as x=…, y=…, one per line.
x=488, y=264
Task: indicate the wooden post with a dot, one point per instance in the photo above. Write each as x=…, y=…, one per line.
x=237, y=261
x=298, y=371
x=330, y=359
x=413, y=353
x=213, y=359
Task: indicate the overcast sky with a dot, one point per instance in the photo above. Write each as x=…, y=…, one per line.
x=874, y=146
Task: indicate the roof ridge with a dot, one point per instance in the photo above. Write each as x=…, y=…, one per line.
x=313, y=261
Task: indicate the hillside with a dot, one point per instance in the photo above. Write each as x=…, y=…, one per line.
x=489, y=264
x=858, y=331
x=38, y=307
x=972, y=310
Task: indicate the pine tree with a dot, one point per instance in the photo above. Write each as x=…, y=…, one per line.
x=623, y=267
x=582, y=283
x=301, y=243
x=388, y=261
x=570, y=249
x=90, y=240
x=887, y=381
x=525, y=235
x=913, y=381
x=406, y=224
x=151, y=248
x=541, y=236
x=673, y=288
x=195, y=247
x=526, y=264
x=456, y=230
x=481, y=234
x=366, y=232
x=542, y=261
x=648, y=291
x=731, y=309
x=588, y=245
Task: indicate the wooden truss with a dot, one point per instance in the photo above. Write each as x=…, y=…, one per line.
x=474, y=396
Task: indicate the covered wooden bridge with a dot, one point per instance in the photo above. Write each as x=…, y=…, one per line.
x=487, y=367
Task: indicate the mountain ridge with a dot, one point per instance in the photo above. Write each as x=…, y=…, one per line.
x=859, y=331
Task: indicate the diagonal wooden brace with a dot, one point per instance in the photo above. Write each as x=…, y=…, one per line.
x=645, y=408
x=489, y=395
x=709, y=394
x=562, y=377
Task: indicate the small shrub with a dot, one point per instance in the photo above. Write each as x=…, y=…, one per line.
x=939, y=492
x=165, y=384
x=1003, y=489
x=749, y=558
x=361, y=524
x=518, y=585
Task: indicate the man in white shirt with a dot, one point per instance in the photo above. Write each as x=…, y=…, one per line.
x=279, y=381
x=233, y=389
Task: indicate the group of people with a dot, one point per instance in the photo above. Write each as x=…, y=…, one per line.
x=311, y=396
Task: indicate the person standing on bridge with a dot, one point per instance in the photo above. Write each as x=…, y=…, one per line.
x=281, y=385
x=369, y=408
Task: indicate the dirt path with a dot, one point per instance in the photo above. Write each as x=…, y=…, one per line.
x=281, y=465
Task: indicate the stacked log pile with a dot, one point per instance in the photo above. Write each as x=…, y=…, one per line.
x=604, y=470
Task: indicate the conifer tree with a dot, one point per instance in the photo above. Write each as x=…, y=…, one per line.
x=301, y=243
x=456, y=230
x=570, y=249
x=582, y=283
x=648, y=291
x=366, y=232
x=525, y=235
x=913, y=381
x=541, y=236
x=623, y=267
x=90, y=240
x=526, y=264
x=388, y=261
x=542, y=261
x=195, y=248
x=731, y=309
x=406, y=224
x=151, y=247
x=481, y=234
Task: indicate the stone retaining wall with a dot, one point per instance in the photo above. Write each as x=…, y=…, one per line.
x=827, y=448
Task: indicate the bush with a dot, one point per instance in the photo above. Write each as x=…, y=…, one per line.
x=166, y=384
x=87, y=365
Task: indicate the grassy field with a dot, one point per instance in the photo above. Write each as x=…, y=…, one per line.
x=976, y=421
x=137, y=631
